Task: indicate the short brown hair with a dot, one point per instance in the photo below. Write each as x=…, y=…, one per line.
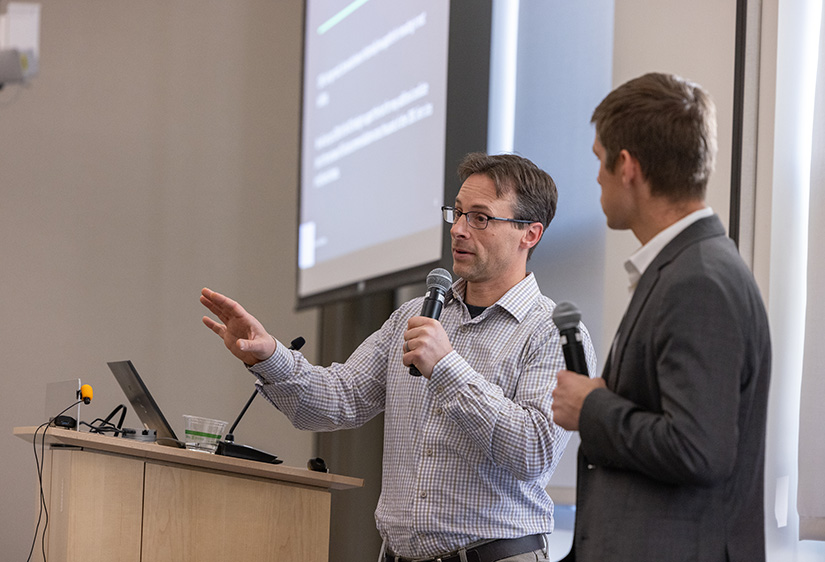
x=669, y=125
x=535, y=190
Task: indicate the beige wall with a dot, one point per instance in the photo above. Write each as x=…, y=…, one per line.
x=696, y=41
x=155, y=153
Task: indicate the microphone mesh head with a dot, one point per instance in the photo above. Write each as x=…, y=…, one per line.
x=86, y=393
x=439, y=278
x=566, y=315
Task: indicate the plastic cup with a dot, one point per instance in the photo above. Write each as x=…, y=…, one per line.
x=203, y=434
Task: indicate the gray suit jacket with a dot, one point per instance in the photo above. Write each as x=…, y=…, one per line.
x=671, y=461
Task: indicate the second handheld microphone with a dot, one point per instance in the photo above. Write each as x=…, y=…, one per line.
x=566, y=317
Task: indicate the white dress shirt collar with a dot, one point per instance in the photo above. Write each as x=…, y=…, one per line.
x=637, y=263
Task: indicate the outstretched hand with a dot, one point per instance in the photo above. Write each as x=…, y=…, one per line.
x=241, y=332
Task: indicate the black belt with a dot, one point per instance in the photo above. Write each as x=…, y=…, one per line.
x=487, y=552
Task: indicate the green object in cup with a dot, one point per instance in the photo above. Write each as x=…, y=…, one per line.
x=203, y=434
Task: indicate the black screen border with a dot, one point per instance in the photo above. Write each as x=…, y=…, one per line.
x=468, y=85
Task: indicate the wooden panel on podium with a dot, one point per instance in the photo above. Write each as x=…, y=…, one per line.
x=193, y=514
x=95, y=507
x=113, y=499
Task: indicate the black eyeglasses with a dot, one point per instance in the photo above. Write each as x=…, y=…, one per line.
x=475, y=219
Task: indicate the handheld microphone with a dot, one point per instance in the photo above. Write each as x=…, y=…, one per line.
x=85, y=393
x=566, y=317
x=438, y=282
x=229, y=448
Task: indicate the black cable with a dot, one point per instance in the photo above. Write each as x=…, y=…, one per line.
x=105, y=426
x=42, y=495
x=122, y=409
x=102, y=427
x=44, y=511
x=42, y=499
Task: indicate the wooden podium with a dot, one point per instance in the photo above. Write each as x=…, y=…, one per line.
x=115, y=499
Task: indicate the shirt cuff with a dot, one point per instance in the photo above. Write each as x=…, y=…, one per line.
x=450, y=375
x=277, y=367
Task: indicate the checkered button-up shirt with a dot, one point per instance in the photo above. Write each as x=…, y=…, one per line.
x=467, y=453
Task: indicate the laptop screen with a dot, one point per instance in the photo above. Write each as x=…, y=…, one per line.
x=142, y=402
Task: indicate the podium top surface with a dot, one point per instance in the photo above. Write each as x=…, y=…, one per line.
x=156, y=452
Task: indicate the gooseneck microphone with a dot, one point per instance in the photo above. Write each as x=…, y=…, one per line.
x=566, y=317
x=438, y=283
x=294, y=345
x=83, y=395
x=229, y=448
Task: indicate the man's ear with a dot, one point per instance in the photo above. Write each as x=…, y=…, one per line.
x=629, y=167
x=633, y=179
x=532, y=235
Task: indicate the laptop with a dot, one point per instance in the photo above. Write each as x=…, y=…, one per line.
x=142, y=402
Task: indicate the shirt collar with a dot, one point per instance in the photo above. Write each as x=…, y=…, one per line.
x=517, y=301
x=637, y=263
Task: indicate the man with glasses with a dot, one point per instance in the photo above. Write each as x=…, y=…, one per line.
x=470, y=446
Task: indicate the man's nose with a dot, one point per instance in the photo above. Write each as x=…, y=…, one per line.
x=460, y=228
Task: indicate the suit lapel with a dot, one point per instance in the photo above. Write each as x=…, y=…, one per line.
x=699, y=230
